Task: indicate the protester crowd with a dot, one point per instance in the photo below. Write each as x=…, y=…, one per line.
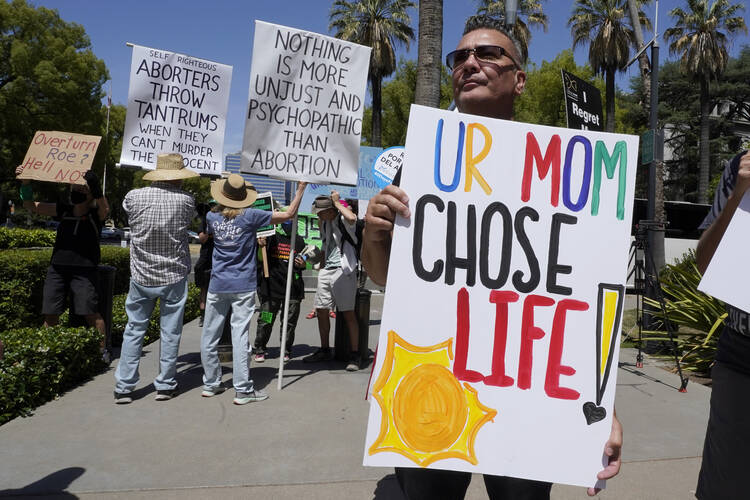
x=487, y=77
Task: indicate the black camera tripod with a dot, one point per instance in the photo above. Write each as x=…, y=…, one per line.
x=646, y=277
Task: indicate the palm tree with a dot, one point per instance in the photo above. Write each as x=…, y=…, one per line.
x=605, y=26
x=644, y=64
x=430, y=54
x=379, y=24
x=700, y=35
x=530, y=9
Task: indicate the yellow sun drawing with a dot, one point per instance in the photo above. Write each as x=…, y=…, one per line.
x=427, y=415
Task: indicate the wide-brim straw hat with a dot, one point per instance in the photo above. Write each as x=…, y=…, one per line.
x=169, y=167
x=234, y=192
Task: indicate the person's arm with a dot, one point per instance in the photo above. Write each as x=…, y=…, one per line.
x=203, y=237
x=378, y=231
x=711, y=237
x=279, y=217
x=345, y=212
x=95, y=188
x=612, y=449
x=27, y=197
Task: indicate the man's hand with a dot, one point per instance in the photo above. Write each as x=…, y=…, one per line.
x=95, y=187
x=261, y=241
x=299, y=261
x=382, y=210
x=743, y=176
x=335, y=196
x=612, y=450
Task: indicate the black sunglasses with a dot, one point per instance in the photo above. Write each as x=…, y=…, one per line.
x=485, y=53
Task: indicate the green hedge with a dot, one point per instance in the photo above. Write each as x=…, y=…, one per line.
x=41, y=363
x=22, y=274
x=25, y=238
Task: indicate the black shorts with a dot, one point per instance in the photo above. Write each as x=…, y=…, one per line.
x=79, y=282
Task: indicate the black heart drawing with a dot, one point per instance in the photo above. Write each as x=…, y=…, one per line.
x=593, y=413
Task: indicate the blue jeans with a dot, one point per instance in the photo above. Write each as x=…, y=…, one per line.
x=217, y=307
x=139, y=306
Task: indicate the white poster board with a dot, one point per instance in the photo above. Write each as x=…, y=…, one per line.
x=306, y=99
x=723, y=278
x=176, y=104
x=499, y=338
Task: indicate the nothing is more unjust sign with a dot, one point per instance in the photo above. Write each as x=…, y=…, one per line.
x=176, y=104
x=306, y=99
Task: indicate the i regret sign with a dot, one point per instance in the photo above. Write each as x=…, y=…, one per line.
x=513, y=264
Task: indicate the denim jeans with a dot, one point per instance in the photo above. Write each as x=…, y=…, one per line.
x=139, y=306
x=217, y=307
x=269, y=310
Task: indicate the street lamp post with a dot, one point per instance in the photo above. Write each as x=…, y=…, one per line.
x=511, y=12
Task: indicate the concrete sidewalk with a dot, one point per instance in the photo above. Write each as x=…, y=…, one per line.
x=306, y=441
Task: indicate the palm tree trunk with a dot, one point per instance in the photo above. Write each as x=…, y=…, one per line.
x=643, y=62
x=610, y=98
x=705, y=152
x=429, y=57
x=375, y=82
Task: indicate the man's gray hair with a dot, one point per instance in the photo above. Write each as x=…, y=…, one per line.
x=485, y=22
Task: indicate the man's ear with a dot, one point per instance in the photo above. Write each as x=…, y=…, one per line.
x=520, y=82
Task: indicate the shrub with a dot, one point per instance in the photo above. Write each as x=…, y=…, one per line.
x=699, y=316
x=25, y=238
x=41, y=363
x=22, y=274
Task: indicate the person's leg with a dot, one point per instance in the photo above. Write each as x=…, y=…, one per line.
x=504, y=488
x=217, y=307
x=139, y=305
x=292, y=317
x=353, y=326
x=345, y=296
x=266, y=316
x=243, y=307
x=432, y=484
x=727, y=434
x=323, y=302
x=53, y=296
x=324, y=328
x=171, y=310
x=85, y=300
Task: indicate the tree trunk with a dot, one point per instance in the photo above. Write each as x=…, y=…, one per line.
x=705, y=152
x=375, y=82
x=429, y=57
x=610, y=99
x=643, y=62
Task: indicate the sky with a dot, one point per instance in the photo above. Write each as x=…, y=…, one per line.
x=223, y=31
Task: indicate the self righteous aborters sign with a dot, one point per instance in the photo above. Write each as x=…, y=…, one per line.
x=176, y=104
x=304, y=116
x=59, y=157
x=500, y=331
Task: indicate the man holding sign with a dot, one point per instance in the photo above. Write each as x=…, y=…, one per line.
x=73, y=267
x=487, y=77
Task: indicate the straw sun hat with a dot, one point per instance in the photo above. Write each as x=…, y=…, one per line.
x=234, y=192
x=169, y=167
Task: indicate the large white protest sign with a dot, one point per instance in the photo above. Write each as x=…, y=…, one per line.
x=724, y=279
x=304, y=116
x=176, y=104
x=500, y=330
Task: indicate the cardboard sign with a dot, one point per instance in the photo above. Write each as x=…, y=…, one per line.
x=583, y=103
x=264, y=202
x=724, y=278
x=304, y=117
x=176, y=104
x=500, y=330
x=59, y=157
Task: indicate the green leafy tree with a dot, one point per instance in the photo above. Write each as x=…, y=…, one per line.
x=398, y=96
x=605, y=26
x=430, y=53
x=49, y=80
x=701, y=36
x=380, y=24
x=530, y=10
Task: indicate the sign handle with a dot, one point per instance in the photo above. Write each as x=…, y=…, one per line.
x=287, y=293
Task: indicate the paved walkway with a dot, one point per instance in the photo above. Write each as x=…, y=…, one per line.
x=306, y=441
